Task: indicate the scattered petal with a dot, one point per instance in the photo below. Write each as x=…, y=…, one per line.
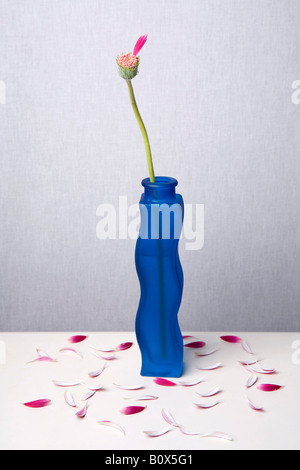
x=269, y=387
x=37, y=403
x=69, y=399
x=42, y=359
x=206, y=353
x=187, y=336
x=218, y=435
x=164, y=382
x=248, y=363
x=207, y=405
x=70, y=351
x=131, y=410
x=212, y=393
x=251, y=381
x=231, y=339
x=92, y=387
x=260, y=370
x=65, y=384
x=246, y=347
x=195, y=344
x=42, y=353
x=157, y=433
x=254, y=407
x=191, y=383
x=169, y=418
x=105, y=350
x=142, y=398
x=130, y=387
x=106, y=358
x=88, y=395
x=81, y=413
x=111, y=424
x=77, y=338
x=123, y=346
x=97, y=372
x=213, y=367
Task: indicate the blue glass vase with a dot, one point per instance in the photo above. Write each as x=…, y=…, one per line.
x=161, y=279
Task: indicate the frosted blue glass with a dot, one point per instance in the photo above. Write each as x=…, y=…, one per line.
x=161, y=279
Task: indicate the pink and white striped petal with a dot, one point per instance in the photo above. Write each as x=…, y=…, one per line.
x=111, y=424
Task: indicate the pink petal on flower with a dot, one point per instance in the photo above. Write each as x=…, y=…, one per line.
x=255, y=407
x=206, y=353
x=269, y=387
x=111, y=424
x=231, y=339
x=157, y=433
x=142, y=398
x=97, y=372
x=77, y=338
x=65, y=384
x=130, y=387
x=213, y=367
x=207, y=405
x=123, y=346
x=88, y=395
x=81, y=413
x=246, y=347
x=212, y=393
x=191, y=383
x=70, y=351
x=169, y=418
x=131, y=410
x=69, y=399
x=251, y=381
x=164, y=382
x=139, y=44
x=37, y=403
x=195, y=344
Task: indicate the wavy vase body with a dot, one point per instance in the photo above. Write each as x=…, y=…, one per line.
x=161, y=279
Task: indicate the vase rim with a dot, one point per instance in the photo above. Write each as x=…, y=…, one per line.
x=160, y=182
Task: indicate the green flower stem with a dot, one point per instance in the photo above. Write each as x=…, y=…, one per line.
x=143, y=130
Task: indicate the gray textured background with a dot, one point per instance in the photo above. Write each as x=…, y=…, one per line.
x=214, y=90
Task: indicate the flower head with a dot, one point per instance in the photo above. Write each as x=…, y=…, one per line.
x=128, y=63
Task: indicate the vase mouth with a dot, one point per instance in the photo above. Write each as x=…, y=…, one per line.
x=160, y=182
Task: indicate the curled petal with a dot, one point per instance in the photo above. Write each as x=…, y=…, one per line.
x=69, y=399
x=88, y=395
x=206, y=353
x=42, y=353
x=123, y=346
x=131, y=410
x=65, y=384
x=77, y=338
x=70, y=351
x=139, y=44
x=96, y=388
x=255, y=407
x=142, y=398
x=191, y=383
x=157, y=433
x=217, y=435
x=195, y=345
x=251, y=381
x=106, y=358
x=81, y=413
x=169, y=418
x=248, y=363
x=130, y=387
x=212, y=393
x=164, y=382
x=213, y=367
x=260, y=370
x=105, y=350
x=97, y=372
x=231, y=339
x=37, y=403
x=269, y=387
x=42, y=359
x=111, y=424
x=246, y=347
x=207, y=405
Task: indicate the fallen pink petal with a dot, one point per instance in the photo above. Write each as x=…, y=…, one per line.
x=131, y=410
x=70, y=351
x=195, y=344
x=69, y=399
x=111, y=424
x=254, y=407
x=97, y=372
x=164, y=382
x=169, y=418
x=37, y=403
x=269, y=387
x=82, y=413
x=231, y=339
x=77, y=339
x=42, y=359
x=123, y=346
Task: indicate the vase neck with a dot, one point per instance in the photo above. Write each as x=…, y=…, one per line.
x=162, y=190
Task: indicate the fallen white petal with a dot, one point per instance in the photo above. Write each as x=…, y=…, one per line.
x=88, y=395
x=212, y=393
x=157, y=433
x=69, y=399
x=130, y=387
x=168, y=417
x=111, y=424
x=246, y=347
x=251, y=381
x=191, y=383
x=213, y=367
x=65, y=384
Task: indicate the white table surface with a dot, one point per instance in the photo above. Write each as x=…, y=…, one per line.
x=57, y=427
